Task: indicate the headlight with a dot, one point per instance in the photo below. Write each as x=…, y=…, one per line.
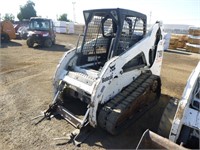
x=45, y=34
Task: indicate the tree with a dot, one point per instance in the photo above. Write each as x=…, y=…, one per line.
x=27, y=11
x=63, y=17
x=9, y=17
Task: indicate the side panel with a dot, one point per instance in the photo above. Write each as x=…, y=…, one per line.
x=112, y=78
x=159, y=48
x=61, y=67
x=186, y=115
x=156, y=67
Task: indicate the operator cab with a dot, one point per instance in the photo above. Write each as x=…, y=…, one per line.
x=109, y=33
x=40, y=24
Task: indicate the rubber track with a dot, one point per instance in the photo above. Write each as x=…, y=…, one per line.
x=167, y=118
x=111, y=111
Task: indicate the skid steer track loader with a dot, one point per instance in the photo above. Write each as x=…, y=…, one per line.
x=113, y=75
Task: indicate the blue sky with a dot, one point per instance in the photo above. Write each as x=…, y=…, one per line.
x=169, y=11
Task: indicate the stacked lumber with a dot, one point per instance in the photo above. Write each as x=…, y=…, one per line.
x=178, y=41
x=182, y=41
x=193, y=44
x=194, y=39
x=173, y=42
x=193, y=48
x=194, y=31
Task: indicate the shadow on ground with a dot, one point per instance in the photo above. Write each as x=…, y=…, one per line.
x=131, y=136
x=9, y=44
x=54, y=48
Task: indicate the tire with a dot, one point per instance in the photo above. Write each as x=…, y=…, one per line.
x=167, y=118
x=54, y=41
x=24, y=36
x=185, y=139
x=48, y=43
x=29, y=42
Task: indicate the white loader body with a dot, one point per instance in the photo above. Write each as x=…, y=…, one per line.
x=114, y=52
x=188, y=112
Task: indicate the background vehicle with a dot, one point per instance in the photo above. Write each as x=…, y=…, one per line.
x=7, y=31
x=41, y=31
x=185, y=129
x=112, y=78
x=180, y=124
x=23, y=32
x=21, y=29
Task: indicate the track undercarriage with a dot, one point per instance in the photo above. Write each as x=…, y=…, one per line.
x=130, y=104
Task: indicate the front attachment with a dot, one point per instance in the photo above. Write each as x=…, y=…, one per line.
x=151, y=140
x=57, y=108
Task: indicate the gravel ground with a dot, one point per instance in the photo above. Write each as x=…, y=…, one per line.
x=26, y=89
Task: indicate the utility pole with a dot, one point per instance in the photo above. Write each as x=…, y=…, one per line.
x=74, y=13
x=150, y=18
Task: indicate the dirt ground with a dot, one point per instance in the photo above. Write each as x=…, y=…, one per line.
x=26, y=89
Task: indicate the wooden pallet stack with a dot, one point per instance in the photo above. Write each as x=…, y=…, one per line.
x=173, y=41
x=178, y=41
x=193, y=44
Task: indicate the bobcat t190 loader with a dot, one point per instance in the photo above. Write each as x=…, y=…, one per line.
x=114, y=72
x=180, y=122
